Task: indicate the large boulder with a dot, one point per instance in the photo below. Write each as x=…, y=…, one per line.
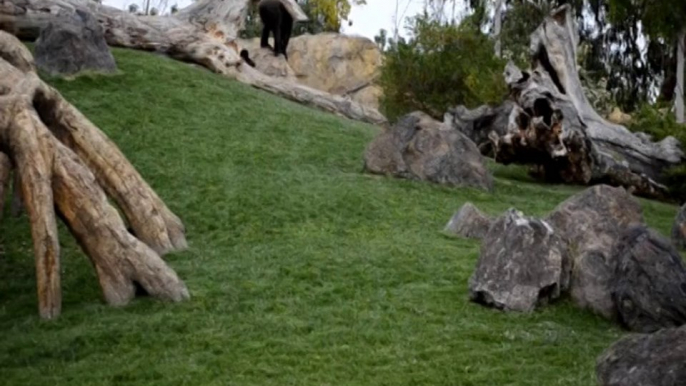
x=419, y=147
x=590, y=222
x=73, y=43
x=271, y=65
x=679, y=229
x=338, y=64
x=523, y=264
x=649, y=281
x=657, y=359
x=469, y=222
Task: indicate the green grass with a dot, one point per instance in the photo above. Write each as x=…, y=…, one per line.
x=302, y=270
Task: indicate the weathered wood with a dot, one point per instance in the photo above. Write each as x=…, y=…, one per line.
x=120, y=259
x=64, y=161
x=150, y=218
x=554, y=127
x=34, y=158
x=204, y=33
x=555, y=52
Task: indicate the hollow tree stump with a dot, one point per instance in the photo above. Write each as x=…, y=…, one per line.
x=63, y=164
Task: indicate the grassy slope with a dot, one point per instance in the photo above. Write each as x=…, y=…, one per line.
x=303, y=271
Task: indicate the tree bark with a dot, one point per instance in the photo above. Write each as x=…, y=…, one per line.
x=64, y=165
x=681, y=40
x=497, y=26
x=554, y=127
x=204, y=33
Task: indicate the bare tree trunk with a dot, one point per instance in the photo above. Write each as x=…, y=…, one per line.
x=63, y=162
x=204, y=33
x=679, y=100
x=497, y=26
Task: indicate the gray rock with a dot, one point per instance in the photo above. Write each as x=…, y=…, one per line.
x=419, y=147
x=657, y=359
x=523, y=264
x=590, y=222
x=590, y=285
x=72, y=44
x=679, y=229
x=649, y=281
x=469, y=222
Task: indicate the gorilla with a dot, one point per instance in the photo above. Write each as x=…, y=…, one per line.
x=246, y=58
x=277, y=20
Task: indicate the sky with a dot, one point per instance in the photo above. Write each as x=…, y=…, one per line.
x=367, y=19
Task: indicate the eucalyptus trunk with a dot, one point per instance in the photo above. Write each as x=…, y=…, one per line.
x=680, y=76
x=497, y=27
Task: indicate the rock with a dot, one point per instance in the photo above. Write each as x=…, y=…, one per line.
x=271, y=65
x=335, y=63
x=649, y=281
x=590, y=222
x=679, y=229
x=619, y=117
x=368, y=96
x=73, y=44
x=469, y=222
x=523, y=264
x=590, y=285
x=657, y=359
x=419, y=147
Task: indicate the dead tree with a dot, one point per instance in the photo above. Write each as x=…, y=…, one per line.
x=553, y=126
x=204, y=33
x=67, y=168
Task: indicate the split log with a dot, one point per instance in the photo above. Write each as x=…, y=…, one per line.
x=554, y=127
x=204, y=33
x=64, y=166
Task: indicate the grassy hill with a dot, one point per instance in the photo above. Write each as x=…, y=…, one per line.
x=302, y=270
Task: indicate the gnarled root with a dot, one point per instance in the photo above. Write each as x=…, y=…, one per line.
x=62, y=161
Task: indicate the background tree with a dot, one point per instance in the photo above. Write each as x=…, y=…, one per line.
x=662, y=20
x=440, y=65
x=381, y=39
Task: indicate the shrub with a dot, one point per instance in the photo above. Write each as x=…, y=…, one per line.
x=441, y=66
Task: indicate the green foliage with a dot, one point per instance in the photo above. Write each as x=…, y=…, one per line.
x=332, y=12
x=441, y=66
x=302, y=270
x=659, y=124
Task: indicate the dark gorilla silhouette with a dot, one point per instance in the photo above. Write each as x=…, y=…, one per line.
x=277, y=20
x=246, y=58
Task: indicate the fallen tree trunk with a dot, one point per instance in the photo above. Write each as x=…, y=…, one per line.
x=554, y=127
x=204, y=33
x=64, y=166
